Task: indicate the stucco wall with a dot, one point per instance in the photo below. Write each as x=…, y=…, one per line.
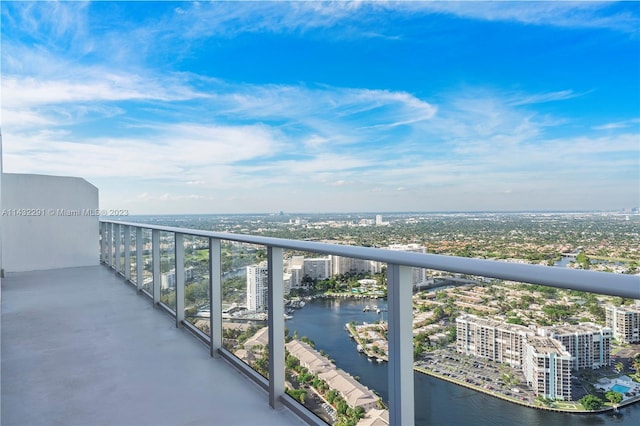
x=48, y=222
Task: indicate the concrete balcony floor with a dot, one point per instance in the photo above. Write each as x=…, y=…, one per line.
x=81, y=347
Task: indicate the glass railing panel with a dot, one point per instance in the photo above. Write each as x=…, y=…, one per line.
x=513, y=349
x=245, y=302
x=112, y=245
x=336, y=350
x=197, y=286
x=132, y=256
x=101, y=241
x=121, y=265
x=167, y=270
x=147, y=256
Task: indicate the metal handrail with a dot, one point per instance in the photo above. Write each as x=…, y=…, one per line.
x=611, y=284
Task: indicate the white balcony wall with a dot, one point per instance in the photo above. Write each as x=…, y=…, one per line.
x=48, y=222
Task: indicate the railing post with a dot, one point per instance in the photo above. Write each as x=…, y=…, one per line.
x=215, y=296
x=400, y=307
x=178, y=246
x=103, y=242
x=155, y=243
x=110, y=232
x=127, y=252
x=276, y=326
x=139, y=259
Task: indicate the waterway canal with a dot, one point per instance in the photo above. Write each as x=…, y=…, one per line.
x=437, y=402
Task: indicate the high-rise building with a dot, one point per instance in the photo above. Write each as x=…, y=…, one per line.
x=419, y=274
x=492, y=339
x=547, y=368
x=257, y=287
x=296, y=276
x=294, y=267
x=168, y=279
x=624, y=321
x=342, y=265
x=589, y=344
x=318, y=268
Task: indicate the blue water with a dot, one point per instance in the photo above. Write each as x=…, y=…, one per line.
x=620, y=389
x=436, y=402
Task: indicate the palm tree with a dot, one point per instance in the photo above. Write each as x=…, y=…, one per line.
x=619, y=367
x=636, y=366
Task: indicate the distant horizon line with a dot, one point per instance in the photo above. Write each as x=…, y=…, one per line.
x=282, y=213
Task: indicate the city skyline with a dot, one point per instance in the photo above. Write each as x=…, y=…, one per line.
x=247, y=107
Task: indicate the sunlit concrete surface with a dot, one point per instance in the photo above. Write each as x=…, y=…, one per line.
x=80, y=347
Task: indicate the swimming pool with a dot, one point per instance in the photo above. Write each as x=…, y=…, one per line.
x=620, y=389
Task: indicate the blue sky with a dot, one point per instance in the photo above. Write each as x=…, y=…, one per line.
x=243, y=107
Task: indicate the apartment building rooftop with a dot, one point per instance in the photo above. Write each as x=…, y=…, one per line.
x=546, y=345
x=494, y=323
x=585, y=327
x=625, y=309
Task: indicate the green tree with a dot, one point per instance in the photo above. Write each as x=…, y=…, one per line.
x=636, y=365
x=342, y=407
x=590, y=402
x=308, y=341
x=583, y=260
x=613, y=397
x=292, y=362
x=298, y=394
x=438, y=313
x=358, y=412
x=417, y=351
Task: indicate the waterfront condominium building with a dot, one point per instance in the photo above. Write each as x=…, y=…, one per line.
x=492, y=339
x=168, y=279
x=624, y=321
x=257, y=289
x=343, y=265
x=588, y=343
x=419, y=274
x=547, y=368
x=317, y=268
x=294, y=267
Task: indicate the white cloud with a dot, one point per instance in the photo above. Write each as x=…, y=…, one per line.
x=569, y=14
x=365, y=19
x=618, y=125
x=176, y=152
x=93, y=86
x=543, y=97
x=480, y=133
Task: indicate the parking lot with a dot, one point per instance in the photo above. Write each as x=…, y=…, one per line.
x=481, y=374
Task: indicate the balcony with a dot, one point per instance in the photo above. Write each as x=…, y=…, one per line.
x=79, y=347
x=119, y=344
